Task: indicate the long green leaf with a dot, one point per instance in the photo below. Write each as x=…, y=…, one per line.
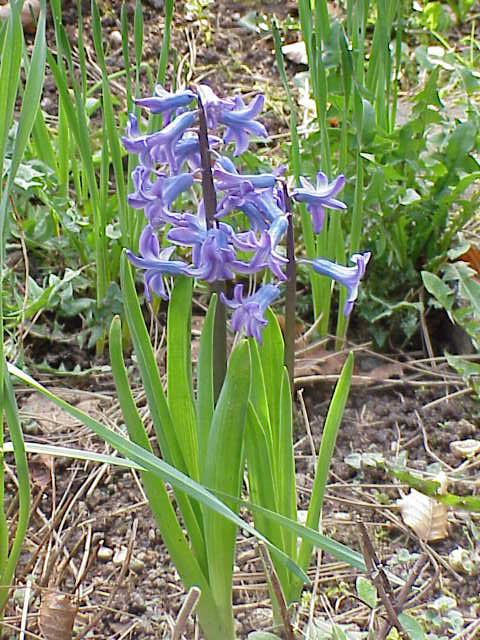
x=157, y=402
x=151, y=463
x=329, y=436
x=179, y=373
x=184, y=560
x=224, y=471
x=205, y=399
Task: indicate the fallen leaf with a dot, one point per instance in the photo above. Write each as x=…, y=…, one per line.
x=472, y=256
x=426, y=516
x=57, y=616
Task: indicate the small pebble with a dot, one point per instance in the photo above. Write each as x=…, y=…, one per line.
x=105, y=553
x=116, y=39
x=120, y=556
x=137, y=604
x=137, y=565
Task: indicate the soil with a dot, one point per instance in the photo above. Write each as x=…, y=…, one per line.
x=91, y=535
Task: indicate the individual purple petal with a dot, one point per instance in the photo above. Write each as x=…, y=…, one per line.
x=189, y=231
x=187, y=149
x=249, y=313
x=142, y=185
x=320, y=197
x=134, y=142
x=213, y=106
x=226, y=179
x=241, y=122
x=155, y=262
x=165, y=102
x=264, y=248
x=167, y=138
x=230, y=202
x=349, y=277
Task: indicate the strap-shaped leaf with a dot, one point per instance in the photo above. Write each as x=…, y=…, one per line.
x=157, y=466
x=224, y=471
x=184, y=560
x=205, y=396
x=179, y=372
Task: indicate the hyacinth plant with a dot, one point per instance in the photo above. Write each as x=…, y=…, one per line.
x=240, y=234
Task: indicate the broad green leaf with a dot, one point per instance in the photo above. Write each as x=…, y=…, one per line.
x=411, y=626
x=465, y=368
x=437, y=287
x=367, y=591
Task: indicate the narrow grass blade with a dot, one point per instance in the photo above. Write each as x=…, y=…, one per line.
x=112, y=132
x=23, y=478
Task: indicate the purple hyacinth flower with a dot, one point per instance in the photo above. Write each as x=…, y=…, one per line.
x=264, y=248
x=349, y=277
x=320, y=197
x=166, y=191
x=167, y=138
x=135, y=142
x=155, y=262
x=241, y=122
x=227, y=177
x=249, y=313
x=187, y=149
x=165, y=102
x=213, y=106
x=213, y=253
x=157, y=197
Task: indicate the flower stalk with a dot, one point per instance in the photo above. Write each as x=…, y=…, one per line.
x=291, y=292
x=218, y=287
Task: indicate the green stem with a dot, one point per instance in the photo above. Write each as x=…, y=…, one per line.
x=291, y=294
